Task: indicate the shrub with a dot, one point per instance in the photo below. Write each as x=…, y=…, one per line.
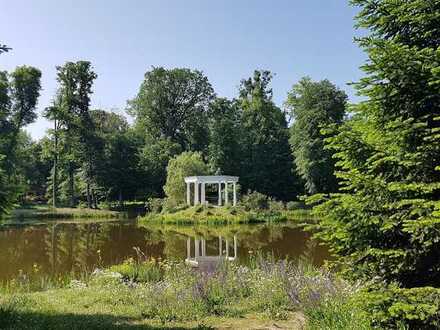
x=415, y=308
x=255, y=201
x=294, y=205
x=154, y=205
x=276, y=206
x=145, y=271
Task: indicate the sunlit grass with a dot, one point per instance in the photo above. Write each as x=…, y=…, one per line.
x=226, y=215
x=160, y=293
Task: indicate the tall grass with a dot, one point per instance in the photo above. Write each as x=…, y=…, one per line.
x=168, y=291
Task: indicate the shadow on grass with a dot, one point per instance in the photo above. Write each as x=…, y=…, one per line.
x=37, y=321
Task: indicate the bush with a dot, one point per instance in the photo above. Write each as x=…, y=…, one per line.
x=295, y=205
x=145, y=271
x=154, y=205
x=255, y=201
x=276, y=206
x=415, y=308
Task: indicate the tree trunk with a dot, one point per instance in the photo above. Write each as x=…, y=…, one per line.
x=95, y=202
x=89, y=197
x=120, y=199
x=71, y=187
x=55, y=160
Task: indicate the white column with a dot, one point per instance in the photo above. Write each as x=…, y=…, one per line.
x=188, y=193
x=219, y=194
x=196, y=248
x=235, y=247
x=203, y=201
x=196, y=193
x=203, y=247
x=226, y=193
x=227, y=248
x=188, y=248
x=220, y=246
x=235, y=194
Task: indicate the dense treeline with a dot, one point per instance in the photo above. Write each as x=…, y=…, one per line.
x=94, y=156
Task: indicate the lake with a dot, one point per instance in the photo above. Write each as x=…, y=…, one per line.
x=53, y=248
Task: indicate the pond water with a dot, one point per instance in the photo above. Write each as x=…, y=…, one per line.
x=61, y=247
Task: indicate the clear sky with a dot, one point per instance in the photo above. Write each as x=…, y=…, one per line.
x=226, y=39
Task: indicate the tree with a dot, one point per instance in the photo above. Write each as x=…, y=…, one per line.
x=172, y=104
x=267, y=164
x=19, y=106
x=386, y=220
x=4, y=49
x=116, y=172
x=76, y=81
x=19, y=92
x=154, y=157
x=313, y=106
x=224, y=122
x=185, y=164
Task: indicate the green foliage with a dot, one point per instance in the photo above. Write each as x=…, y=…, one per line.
x=154, y=205
x=336, y=314
x=179, y=167
x=393, y=307
x=266, y=158
x=202, y=214
x=141, y=271
x=116, y=172
x=313, y=106
x=294, y=205
x=224, y=150
x=167, y=291
x=255, y=201
x=153, y=159
x=386, y=220
x=19, y=92
x=71, y=110
x=173, y=104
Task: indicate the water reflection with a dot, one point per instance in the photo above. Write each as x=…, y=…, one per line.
x=58, y=248
x=200, y=259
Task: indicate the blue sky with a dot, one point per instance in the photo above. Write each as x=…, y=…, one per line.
x=226, y=39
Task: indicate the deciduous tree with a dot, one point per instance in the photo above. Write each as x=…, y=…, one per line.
x=314, y=106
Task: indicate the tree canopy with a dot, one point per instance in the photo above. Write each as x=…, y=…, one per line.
x=186, y=164
x=386, y=219
x=314, y=106
x=267, y=164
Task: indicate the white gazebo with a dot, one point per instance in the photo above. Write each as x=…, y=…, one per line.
x=200, y=183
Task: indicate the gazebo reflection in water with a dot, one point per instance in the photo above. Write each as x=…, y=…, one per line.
x=196, y=252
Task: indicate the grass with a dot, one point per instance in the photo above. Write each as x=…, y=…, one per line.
x=225, y=215
x=46, y=212
x=145, y=294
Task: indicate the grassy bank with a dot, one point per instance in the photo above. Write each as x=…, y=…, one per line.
x=46, y=212
x=225, y=215
x=146, y=294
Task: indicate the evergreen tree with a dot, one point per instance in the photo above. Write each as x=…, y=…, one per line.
x=267, y=164
x=386, y=220
x=313, y=106
x=224, y=151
